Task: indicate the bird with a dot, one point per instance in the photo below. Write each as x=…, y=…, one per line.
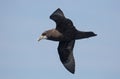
x=65, y=33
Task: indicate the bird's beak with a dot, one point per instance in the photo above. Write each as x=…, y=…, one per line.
x=42, y=37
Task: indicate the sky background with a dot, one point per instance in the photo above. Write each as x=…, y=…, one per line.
x=23, y=57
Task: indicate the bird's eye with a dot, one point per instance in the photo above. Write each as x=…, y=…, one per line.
x=44, y=34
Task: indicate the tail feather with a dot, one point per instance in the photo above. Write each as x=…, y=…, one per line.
x=81, y=34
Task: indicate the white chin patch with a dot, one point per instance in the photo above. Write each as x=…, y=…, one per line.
x=42, y=37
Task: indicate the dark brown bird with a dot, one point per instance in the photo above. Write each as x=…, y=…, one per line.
x=66, y=34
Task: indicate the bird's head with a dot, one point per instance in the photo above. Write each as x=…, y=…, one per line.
x=44, y=35
x=51, y=34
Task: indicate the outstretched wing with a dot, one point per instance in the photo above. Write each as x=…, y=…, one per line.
x=63, y=24
x=57, y=15
x=65, y=50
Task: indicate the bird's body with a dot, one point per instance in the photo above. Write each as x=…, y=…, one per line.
x=66, y=34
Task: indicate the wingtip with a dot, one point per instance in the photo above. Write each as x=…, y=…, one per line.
x=70, y=66
x=71, y=70
x=58, y=9
x=57, y=13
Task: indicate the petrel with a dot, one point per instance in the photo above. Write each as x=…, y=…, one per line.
x=66, y=34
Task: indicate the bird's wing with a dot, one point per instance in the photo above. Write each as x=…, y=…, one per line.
x=57, y=15
x=62, y=22
x=65, y=50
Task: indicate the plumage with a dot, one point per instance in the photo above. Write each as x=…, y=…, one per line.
x=65, y=50
x=66, y=34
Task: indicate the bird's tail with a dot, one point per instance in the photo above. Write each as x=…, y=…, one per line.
x=81, y=34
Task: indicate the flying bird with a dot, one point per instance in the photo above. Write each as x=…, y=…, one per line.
x=66, y=34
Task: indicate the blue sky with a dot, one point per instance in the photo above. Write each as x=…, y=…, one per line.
x=23, y=57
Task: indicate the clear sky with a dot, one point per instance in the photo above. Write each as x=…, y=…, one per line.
x=23, y=57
